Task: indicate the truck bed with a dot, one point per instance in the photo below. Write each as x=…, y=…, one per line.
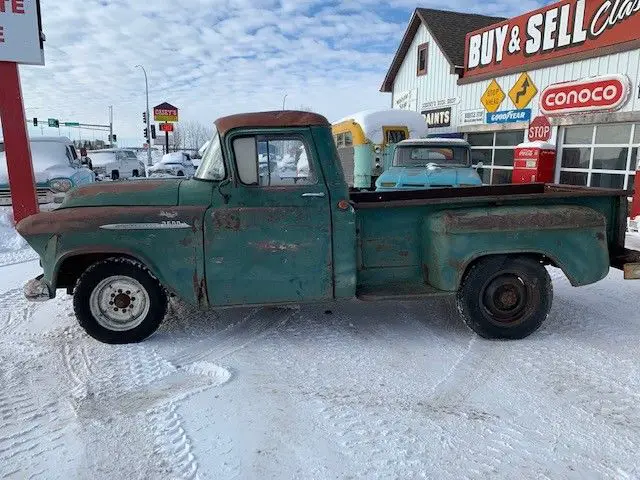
x=399, y=232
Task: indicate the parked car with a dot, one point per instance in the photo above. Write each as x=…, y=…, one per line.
x=175, y=164
x=56, y=167
x=116, y=163
x=223, y=239
x=426, y=163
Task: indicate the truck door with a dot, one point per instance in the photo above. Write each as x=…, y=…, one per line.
x=271, y=243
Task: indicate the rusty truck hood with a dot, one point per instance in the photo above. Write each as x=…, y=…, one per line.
x=137, y=193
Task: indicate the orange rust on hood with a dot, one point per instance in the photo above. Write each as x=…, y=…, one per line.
x=116, y=187
x=278, y=118
x=67, y=220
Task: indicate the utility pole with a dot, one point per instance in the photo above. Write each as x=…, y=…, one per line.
x=111, y=125
x=146, y=83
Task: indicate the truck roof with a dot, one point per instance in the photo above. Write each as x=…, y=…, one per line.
x=278, y=118
x=434, y=141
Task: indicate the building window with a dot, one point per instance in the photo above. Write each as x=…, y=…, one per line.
x=496, y=151
x=423, y=58
x=599, y=155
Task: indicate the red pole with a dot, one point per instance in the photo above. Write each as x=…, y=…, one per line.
x=635, y=206
x=16, y=143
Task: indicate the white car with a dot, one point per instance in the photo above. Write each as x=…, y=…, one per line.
x=176, y=164
x=56, y=167
x=116, y=163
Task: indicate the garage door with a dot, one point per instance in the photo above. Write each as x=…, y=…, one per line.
x=599, y=155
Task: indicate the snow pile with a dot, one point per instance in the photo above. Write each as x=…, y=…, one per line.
x=372, y=122
x=10, y=240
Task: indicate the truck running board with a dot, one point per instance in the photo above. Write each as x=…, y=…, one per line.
x=397, y=291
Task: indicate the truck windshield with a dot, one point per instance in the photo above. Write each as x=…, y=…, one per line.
x=212, y=166
x=421, y=156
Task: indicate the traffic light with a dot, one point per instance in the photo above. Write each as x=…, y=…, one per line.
x=35, y=121
x=153, y=132
x=144, y=117
x=145, y=133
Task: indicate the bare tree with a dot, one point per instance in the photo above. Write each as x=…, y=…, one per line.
x=192, y=135
x=176, y=140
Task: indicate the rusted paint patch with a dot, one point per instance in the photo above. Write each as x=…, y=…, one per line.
x=601, y=237
x=167, y=214
x=186, y=242
x=85, y=219
x=403, y=253
x=523, y=219
x=226, y=220
x=278, y=118
x=199, y=289
x=272, y=246
x=119, y=187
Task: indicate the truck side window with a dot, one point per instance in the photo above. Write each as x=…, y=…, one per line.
x=280, y=161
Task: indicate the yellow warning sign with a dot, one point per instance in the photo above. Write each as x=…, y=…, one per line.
x=492, y=97
x=523, y=91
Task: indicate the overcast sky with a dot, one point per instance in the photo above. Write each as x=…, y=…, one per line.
x=212, y=58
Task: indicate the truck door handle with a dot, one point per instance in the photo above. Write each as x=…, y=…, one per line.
x=318, y=195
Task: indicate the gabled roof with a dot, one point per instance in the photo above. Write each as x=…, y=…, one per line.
x=449, y=30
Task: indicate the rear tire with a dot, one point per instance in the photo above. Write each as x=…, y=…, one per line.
x=115, y=175
x=505, y=297
x=135, y=173
x=181, y=173
x=119, y=301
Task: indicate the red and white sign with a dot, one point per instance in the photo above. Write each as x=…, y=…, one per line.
x=166, y=127
x=20, y=37
x=563, y=29
x=539, y=129
x=606, y=93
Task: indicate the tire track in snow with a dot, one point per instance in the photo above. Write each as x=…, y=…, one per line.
x=15, y=311
x=253, y=326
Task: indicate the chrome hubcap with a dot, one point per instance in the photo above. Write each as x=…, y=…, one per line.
x=119, y=303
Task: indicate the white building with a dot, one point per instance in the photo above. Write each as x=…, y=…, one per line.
x=448, y=61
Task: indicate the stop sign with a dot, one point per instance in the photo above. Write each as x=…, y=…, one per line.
x=540, y=129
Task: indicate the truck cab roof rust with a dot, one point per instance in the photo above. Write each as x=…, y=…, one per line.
x=278, y=238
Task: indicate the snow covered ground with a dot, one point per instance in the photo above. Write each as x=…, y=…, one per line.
x=392, y=390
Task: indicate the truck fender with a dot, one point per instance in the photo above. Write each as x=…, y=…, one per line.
x=570, y=237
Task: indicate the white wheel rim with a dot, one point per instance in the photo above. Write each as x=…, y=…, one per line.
x=119, y=303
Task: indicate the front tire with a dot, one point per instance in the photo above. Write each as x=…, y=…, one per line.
x=119, y=301
x=505, y=297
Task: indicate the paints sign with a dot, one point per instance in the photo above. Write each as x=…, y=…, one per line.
x=564, y=29
x=509, y=116
x=606, y=93
x=438, y=118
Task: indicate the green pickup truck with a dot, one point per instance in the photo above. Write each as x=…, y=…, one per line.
x=253, y=229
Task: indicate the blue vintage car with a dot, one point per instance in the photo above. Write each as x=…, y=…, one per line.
x=56, y=168
x=429, y=163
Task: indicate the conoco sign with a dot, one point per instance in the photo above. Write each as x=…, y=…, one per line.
x=553, y=34
x=606, y=93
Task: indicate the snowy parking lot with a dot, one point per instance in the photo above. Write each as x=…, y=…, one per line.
x=393, y=390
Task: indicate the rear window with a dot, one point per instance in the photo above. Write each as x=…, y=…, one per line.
x=421, y=156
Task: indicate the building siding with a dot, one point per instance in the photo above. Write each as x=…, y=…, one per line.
x=440, y=84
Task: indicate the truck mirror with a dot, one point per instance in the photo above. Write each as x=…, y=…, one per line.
x=480, y=168
x=246, y=154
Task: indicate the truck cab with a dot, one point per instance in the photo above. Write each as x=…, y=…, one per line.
x=245, y=231
x=429, y=163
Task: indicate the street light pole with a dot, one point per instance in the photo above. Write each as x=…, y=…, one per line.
x=284, y=100
x=146, y=84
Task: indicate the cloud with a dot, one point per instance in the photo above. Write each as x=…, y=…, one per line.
x=212, y=58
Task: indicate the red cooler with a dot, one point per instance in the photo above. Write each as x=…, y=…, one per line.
x=534, y=162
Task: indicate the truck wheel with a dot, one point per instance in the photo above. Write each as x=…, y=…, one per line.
x=135, y=173
x=118, y=301
x=115, y=175
x=505, y=297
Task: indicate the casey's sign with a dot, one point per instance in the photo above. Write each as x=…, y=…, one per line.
x=563, y=29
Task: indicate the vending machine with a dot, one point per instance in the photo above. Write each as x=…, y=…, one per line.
x=534, y=162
